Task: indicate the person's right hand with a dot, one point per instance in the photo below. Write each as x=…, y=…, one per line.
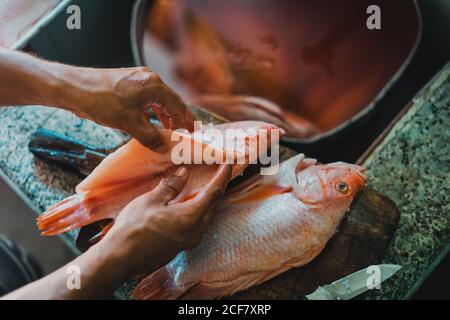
x=123, y=99
x=117, y=98
x=151, y=231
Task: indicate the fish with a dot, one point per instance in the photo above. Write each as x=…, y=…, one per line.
x=262, y=228
x=134, y=170
x=240, y=108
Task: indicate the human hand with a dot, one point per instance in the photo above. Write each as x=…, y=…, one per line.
x=151, y=230
x=124, y=98
x=117, y=98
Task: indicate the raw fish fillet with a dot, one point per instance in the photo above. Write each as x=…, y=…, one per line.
x=134, y=170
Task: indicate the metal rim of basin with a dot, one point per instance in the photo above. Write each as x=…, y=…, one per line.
x=41, y=24
x=138, y=18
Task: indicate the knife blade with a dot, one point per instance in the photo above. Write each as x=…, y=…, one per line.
x=355, y=284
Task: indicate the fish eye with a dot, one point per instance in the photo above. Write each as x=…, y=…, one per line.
x=342, y=187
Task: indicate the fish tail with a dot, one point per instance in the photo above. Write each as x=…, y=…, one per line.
x=160, y=285
x=74, y=212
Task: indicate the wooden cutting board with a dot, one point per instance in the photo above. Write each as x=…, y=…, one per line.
x=361, y=241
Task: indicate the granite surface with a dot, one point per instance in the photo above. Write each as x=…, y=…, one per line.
x=42, y=184
x=411, y=166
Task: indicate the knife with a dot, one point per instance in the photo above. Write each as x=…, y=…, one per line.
x=355, y=284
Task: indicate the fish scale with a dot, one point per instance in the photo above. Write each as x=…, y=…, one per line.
x=257, y=234
x=259, y=230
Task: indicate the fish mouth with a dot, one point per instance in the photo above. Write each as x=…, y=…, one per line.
x=357, y=170
x=361, y=173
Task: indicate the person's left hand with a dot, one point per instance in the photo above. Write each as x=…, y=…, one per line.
x=148, y=233
x=151, y=231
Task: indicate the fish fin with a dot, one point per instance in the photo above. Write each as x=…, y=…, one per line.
x=216, y=290
x=160, y=285
x=305, y=164
x=311, y=254
x=245, y=186
x=254, y=189
x=98, y=237
x=76, y=211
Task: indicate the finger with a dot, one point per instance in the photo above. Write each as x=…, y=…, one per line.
x=211, y=193
x=161, y=114
x=182, y=120
x=147, y=135
x=169, y=188
x=172, y=111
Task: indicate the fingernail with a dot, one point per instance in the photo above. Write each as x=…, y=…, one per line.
x=181, y=172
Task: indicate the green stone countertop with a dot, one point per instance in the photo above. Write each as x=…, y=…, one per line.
x=39, y=184
x=411, y=166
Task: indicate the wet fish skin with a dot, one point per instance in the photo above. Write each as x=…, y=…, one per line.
x=132, y=171
x=260, y=230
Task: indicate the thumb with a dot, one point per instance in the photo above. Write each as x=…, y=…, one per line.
x=169, y=188
x=148, y=136
x=212, y=192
